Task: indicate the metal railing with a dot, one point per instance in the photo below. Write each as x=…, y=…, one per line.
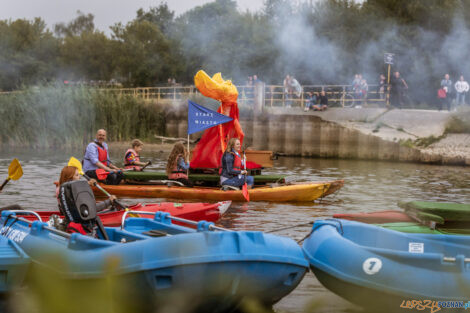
x=274, y=95
x=338, y=95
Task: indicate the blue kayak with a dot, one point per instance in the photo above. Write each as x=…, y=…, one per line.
x=382, y=269
x=13, y=265
x=155, y=261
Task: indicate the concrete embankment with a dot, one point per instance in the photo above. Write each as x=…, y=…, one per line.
x=351, y=133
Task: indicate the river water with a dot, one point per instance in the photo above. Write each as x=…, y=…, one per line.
x=369, y=186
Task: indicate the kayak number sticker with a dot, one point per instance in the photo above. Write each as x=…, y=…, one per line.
x=372, y=266
x=416, y=247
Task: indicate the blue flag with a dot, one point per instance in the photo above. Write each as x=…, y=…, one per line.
x=200, y=118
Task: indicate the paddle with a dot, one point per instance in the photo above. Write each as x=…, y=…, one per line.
x=148, y=163
x=78, y=165
x=245, y=186
x=14, y=172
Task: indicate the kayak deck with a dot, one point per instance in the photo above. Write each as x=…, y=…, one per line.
x=293, y=192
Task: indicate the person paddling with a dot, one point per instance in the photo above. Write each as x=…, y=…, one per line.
x=71, y=173
x=178, y=165
x=97, y=157
x=232, y=173
x=132, y=158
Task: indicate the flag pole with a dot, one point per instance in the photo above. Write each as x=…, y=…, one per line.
x=189, y=156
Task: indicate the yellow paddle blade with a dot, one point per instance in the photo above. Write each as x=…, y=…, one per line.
x=15, y=171
x=77, y=164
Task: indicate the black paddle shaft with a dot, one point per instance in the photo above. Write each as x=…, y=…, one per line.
x=4, y=183
x=104, y=191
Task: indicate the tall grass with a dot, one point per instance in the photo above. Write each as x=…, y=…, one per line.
x=50, y=116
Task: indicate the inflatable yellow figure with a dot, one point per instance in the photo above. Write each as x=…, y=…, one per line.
x=209, y=149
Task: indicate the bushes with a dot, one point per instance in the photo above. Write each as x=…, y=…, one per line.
x=50, y=116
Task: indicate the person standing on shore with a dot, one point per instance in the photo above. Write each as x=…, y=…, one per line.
x=97, y=157
x=462, y=87
x=398, y=87
x=447, y=84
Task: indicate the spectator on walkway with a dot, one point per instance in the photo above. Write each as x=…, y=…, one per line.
x=296, y=87
x=310, y=101
x=287, y=91
x=256, y=80
x=356, y=86
x=446, y=82
x=441, y=96
x=323, y=102
x=398, y=87
x=382, y=86
x=364, y=88
x=461, y=87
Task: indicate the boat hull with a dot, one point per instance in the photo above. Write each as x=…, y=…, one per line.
x=215, y=268
x=210, y=212
x=13, y=266
x=350, y=256
x=380, y=217
x=295, y=192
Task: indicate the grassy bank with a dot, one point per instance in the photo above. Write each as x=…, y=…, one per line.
x=51, y=116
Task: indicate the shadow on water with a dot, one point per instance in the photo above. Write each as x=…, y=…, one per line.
x=369, y=186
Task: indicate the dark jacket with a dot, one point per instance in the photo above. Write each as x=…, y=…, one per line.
x=227, y=165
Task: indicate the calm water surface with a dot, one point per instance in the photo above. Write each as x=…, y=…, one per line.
x=369, y=186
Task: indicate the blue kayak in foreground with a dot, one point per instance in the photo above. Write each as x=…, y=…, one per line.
x=13, y=265
x=153, y=262
x=385, y=269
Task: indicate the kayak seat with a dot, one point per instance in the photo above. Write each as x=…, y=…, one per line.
x=227, y=187
x=155, y=233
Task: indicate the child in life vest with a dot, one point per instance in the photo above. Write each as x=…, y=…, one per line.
x=178, y=164
x=132, y=158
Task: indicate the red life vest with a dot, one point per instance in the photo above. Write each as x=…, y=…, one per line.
x=76, y=228
x=175, y=174
x=237, y=162
x=129, y=165
x=102, y=154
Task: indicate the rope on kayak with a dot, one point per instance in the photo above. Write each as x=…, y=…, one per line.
x=301, y=240
x=289, y=227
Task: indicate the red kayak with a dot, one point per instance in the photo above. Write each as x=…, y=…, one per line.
x=210, y=212
x=380, y=217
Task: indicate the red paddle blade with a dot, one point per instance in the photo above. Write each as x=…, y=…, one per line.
x=245, y=192
x=101, y=174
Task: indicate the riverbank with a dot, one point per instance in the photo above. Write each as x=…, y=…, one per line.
x=422, y=131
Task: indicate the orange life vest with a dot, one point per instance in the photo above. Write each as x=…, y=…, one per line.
x=102, y=154
x=131, y=166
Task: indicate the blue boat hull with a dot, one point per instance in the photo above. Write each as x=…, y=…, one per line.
x=379, y=268
x=215, y=269
x=14, y=264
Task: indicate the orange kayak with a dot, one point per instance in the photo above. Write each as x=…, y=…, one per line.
x=279, y=193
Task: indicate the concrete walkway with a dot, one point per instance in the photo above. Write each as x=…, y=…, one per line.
x=397, y=125
x=387, y=124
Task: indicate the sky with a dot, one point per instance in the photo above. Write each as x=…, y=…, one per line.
x=106, y=12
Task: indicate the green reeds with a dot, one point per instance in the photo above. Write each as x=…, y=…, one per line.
x=52, y=116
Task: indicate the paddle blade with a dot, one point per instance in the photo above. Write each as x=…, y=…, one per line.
x=245, y=192
x=15, y=171
x=101, y=174
x=77, y=164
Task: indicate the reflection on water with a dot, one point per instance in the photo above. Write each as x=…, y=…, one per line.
x=369, y=186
